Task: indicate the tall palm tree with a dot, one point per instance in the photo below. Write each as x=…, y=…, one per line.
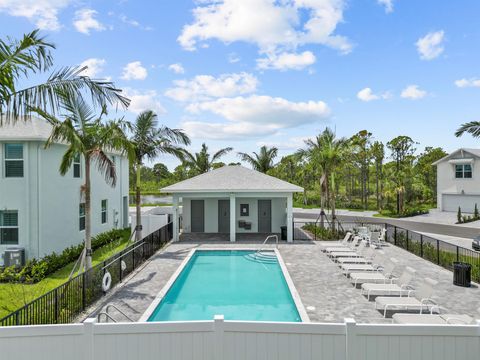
x=86, y=134
x=263, y=161
x=202, y=162
x=325, y=153
x=148, y=140
x=473, y=128
x=19, y=59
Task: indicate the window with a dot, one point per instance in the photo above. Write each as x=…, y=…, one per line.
x=463, y=171
x=82, y=216
x=104, y=211
x=14, y=160
x=76, y=166
x=8, y=227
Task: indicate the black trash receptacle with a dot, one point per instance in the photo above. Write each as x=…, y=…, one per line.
x=462, y=274
x=283, y=233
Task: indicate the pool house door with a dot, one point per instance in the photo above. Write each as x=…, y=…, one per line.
x=198, y=215
x=224, y=216
x=264, y=216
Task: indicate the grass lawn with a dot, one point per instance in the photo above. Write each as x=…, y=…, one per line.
x=14, y=296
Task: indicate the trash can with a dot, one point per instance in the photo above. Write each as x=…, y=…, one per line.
x=283, y=232
x=462, y=274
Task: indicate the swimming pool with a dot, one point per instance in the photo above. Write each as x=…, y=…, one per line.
x=233, y=283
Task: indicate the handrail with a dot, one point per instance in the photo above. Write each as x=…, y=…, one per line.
x=107, y=316
x=120, y=311
x=265, y=241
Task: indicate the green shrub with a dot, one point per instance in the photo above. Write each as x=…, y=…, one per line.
x=36, y=270
x=459, y=215
x=323, y=233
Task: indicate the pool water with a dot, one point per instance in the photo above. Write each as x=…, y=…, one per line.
x=230, y=283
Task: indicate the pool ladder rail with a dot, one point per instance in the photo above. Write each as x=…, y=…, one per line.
x=265, y=254
x=108, y=316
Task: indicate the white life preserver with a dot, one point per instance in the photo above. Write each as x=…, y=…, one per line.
x=106, y=281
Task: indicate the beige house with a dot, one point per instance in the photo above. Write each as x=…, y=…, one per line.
x=458, y=180
x=233, y=200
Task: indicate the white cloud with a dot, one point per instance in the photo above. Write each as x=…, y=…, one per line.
x=274, y=26
x=286, y=61
x=233, y=58
x=144, y=100
x=205, y=87
x=293, y=143
x=94, y=67
x=43, y=13
x=253, y=116
x=413, y=92
x=367, y=94
x=132, y=22
x=85, y=21
x=176, y=68
x=134, y=71
x=431, y=45
x=464, y=83
x=388, y=4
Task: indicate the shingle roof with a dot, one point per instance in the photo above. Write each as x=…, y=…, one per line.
x=32, y=129
x=232, y=178
x=474, y=152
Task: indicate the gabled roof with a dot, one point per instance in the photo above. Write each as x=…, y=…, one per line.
x=473, y=152
x=26, y=129
x=232, y=178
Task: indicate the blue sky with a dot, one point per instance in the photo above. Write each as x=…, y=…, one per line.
x=252, y=72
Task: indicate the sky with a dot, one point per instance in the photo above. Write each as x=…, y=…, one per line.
x=262, y=72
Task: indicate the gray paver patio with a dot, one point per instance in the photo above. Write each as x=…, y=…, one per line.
x=326, y=293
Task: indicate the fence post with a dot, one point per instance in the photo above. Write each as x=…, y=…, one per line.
x=438, y=252
x=421, y=245
x=120, y=259
x=458, y=257
x=350, y=339
x=84, y=291
x=56, y=305
x=88, y=325
x=395, y=235
x=218, y=328
x=406, y=234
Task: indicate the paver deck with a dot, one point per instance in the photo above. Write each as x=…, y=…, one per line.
x=325, y=292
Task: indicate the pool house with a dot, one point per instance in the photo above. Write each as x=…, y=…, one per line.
x=233, y=201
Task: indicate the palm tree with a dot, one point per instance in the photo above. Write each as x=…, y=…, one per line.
x=148, y=141
x=473, y=128
x=86, y=134
x=325, y=153
x=202, y=162
x=32, y=55
x=263, y=161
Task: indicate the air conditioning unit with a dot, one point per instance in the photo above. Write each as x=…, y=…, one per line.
x=14, y=256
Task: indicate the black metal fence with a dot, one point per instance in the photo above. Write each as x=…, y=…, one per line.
x=437, y=251
x=65, y=303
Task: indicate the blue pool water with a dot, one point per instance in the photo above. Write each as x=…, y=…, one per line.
x=229, y=283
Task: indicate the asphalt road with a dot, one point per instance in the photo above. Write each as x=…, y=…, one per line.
x=449, y=230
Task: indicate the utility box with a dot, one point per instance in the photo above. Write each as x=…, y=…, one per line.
x=14, y=256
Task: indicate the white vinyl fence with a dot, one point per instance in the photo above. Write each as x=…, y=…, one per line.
x=234, y=340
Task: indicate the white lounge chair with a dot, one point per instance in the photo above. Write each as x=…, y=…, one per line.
x=421, y=301
x=400, y=288
x=432, y=319
x=386, y=276
x=375, y=266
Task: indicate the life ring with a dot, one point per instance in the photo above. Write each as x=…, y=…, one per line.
x=123, y=265
x=106, y=281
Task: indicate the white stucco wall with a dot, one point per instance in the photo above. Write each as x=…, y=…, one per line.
x=48, y=203
x=447, y=184
x=279, y=215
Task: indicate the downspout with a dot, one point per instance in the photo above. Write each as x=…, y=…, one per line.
x=38, y=199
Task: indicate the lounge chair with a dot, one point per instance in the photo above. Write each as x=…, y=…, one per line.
x=432, y=319
x=345, y=242
x=386, y=276
x=400, y=288
x=421, y=301
x=365, y=253
x=375, y=266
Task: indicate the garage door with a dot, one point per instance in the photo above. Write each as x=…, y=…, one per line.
x=466, y=202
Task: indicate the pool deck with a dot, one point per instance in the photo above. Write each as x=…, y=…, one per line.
x=325, y=292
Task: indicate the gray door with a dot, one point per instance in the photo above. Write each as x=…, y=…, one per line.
x=198, y=215
x=264, y=216
x=224, y=216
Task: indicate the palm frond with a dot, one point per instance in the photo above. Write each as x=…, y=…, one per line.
x=220, y=153
x=105, y=166
x=473, y=128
